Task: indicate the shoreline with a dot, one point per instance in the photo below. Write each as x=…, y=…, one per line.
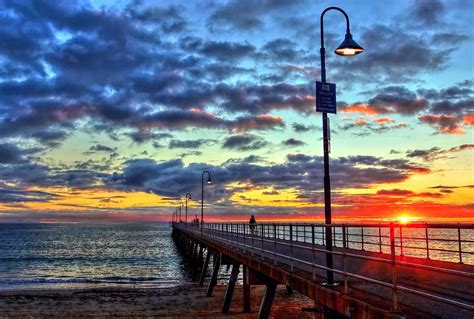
x=182, y=301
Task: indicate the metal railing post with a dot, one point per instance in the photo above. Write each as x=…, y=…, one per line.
x=394, y=272
x=380, y=239
x=313, y=257
x=401, y=241
x=459, y=245
x=274, y=244
x=252, y=234
x=346, y=289
x=362, y=236
x=291, y=247
x=427, y=243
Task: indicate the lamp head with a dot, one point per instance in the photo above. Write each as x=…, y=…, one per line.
x=209, y=181
x=349, y=47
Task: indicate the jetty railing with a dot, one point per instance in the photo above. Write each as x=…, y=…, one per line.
x=384, y=245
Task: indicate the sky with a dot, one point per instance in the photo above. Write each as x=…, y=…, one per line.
x=111, y=110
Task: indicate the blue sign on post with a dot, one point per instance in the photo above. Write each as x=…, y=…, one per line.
x=325, y=97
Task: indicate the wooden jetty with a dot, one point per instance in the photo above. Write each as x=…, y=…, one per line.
x=375, y=276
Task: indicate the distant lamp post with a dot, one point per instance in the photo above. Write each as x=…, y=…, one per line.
x=348, y=47
x=188, y=196
x=180, y=207
x=209, y=181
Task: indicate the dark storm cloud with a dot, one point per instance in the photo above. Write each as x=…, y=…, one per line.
x=50, y=137
x=169, y=18
x=244, y=142
x=397, y=99
x=444, y=124
x=436, y=152
x=190, y=143
x=301, y=128
x=260, y=99
x=176, y=119
x=383, y=62
x=24, y=174
x=292, y=142
x=449, y=38
x=142, y=136
x=173, y=178
x=427, y=155
x=447, y=109
x=102, y=148
x=18, y=195
x=245, y=14
x=281, y=49
x=12, y=154
x=427, y=12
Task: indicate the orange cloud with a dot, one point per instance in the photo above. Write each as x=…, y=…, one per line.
x=383, y=120
x=444, y=124
x=469, y=119
x=358, y=108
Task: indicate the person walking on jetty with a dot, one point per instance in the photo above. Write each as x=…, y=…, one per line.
x=252, y=224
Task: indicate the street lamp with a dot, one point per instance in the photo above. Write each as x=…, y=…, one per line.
x=348, y=47
x=188, y=196
x=209, y=181
x=180, y=209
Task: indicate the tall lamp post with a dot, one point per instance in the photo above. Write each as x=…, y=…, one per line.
x=180, y=207
x=348, y=47
x=209, y=181
x=188, y=196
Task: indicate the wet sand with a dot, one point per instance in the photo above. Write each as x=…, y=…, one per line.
x=188, y=301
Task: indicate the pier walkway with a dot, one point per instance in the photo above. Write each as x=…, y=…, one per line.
x=381, y=271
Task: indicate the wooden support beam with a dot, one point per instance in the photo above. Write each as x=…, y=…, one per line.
x=192, y=248
x=230, y=287
x=246, y=289
x=267, y=301
x=204, y=268
x=215, y=272
x=196, y=262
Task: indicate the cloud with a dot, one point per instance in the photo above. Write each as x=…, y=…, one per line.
x=18, y=195
x=244, y=142
x=305, y=173
x=12, y=154
x=462, y=147
x=190, y=143
x=427, y=155
x=244, y=14
x=291, y=142
x=427, y=13
x=407, y=193
x=301, y=128
x=444, y=124
x=102, y=148
x=142, y=136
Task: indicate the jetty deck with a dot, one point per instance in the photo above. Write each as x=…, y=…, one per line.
x=374, y=274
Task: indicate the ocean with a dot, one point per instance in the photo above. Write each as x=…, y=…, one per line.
x=43, y=256
x=40, y=256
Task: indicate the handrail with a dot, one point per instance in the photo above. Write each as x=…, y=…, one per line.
x=392, y=249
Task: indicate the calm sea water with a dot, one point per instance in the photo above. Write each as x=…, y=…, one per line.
x=83, y=255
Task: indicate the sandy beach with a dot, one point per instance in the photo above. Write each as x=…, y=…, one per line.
x=187, y=301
